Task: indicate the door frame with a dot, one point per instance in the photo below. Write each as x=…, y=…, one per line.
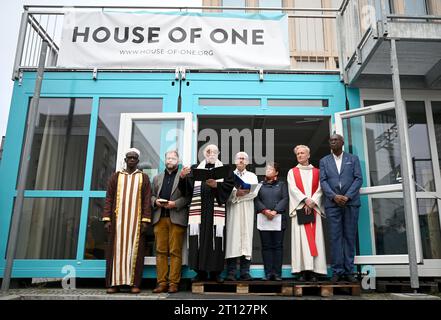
x=372, y=191
x=124, y=142
x=125, y=131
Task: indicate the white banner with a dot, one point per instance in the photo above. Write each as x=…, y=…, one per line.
x=170, y=40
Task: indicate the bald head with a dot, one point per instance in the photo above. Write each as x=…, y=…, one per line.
x=336, y=143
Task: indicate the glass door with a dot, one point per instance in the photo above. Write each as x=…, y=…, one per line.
x=154, y=134
x=372, y=134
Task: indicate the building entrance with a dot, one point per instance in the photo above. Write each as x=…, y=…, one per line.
x=265, y=139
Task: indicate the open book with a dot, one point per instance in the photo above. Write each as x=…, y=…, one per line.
x=240, y=184
x=202, y=174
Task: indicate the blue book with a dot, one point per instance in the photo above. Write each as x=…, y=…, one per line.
x=240, y=184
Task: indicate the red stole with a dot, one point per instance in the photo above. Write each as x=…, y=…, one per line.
x=310, y=227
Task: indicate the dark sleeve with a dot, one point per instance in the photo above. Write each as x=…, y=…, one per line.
x=110, y=197
x=354, y=189
x=146, y=201
x=283, y=202
x=154, y=191
x=223, y=190
x=186, y=184
x=183, y=200
x=258, y=204
x=324, y=182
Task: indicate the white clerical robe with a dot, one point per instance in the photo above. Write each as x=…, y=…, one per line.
x=240, y=220
x=301, y=258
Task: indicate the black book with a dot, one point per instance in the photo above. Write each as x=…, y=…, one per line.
x=202, y=174
x=303, y=218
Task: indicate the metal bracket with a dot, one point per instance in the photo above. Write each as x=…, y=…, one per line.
x=180, y=73
x=358, y=56
x=20, y=78
x=260, y=74
x=95, y=73
x=385, y=29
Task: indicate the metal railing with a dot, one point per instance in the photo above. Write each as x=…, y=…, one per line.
x=360, y=19
x=312, y=33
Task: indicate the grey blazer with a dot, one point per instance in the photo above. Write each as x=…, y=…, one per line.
x=178, y=215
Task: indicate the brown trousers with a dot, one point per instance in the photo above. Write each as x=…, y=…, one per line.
x=169, y=239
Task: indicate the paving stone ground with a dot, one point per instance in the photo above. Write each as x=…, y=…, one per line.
x=146, y=294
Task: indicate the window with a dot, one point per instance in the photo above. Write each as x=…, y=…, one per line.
x=390, y=227
x=219, y=102
x=153, y=138
x=234, y=3
x=297, y=103
x=106, y=145
x=415, y=7
x=96, y=237
x=270, y=4
x=49, y=228
x=436, y=107
x=384, y=149
x=59, y=148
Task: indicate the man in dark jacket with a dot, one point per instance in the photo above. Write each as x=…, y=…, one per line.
x=341, y=180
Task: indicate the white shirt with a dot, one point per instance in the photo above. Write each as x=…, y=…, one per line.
x=338, y=160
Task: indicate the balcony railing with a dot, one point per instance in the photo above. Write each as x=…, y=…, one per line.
x=312, y=33
x=360, y=19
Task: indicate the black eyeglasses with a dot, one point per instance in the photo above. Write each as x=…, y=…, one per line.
x=131, y=157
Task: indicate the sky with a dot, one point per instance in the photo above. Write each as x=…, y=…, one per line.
x=10, y=16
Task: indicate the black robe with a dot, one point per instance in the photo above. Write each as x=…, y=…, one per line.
x=204, y=257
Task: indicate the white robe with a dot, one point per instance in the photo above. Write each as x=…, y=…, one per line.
x=240, y=221
x=301, y=259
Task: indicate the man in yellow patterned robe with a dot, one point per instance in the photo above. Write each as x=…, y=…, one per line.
x=127, y=213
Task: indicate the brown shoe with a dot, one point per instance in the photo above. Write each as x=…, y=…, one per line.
x=160, y=288
x=112, y=290
x=173, y=288
x=135, y=290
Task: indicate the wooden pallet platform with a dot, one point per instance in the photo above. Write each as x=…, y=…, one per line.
x=404, y=286
x=254, y=287
x=326, y=289
x=284, y=288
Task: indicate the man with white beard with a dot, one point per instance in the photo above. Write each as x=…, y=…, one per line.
x=206, y=223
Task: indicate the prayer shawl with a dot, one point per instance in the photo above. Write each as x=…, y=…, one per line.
x=127, y=228
x=194, y=219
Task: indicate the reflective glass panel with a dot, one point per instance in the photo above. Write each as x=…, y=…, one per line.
x=106, y=144
x=59, y=148
x=49, y=228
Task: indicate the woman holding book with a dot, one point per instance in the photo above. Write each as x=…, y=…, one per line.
x=308, y=259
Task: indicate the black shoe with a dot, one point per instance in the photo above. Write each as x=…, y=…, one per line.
x=230, y=277
x=335, y=278
x=301, y=277
x=313, y=277
x=278, y=278
x=219, y=279
x=350, y=278
x=245, y=277
x=265, y=278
